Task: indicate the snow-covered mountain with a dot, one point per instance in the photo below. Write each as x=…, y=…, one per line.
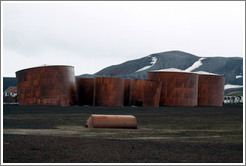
x=231, y=68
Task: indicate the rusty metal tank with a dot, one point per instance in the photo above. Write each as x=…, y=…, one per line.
x=46, y=85
x=152, y=92
x=127, y=85
x=145, y=93
x=178, y=88
x=85, y=90
x=108, y=92
x=210, y=90
x=112, y=121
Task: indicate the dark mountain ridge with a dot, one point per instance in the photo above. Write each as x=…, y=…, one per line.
x=229, y=67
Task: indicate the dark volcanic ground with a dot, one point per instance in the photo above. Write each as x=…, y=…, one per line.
x=39, y=134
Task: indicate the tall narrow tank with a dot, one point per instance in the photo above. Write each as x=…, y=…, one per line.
x=108, y=92
x=178, y=88
x=85, y=90
x=145, y=93
x=46, y=85
x=210, y=90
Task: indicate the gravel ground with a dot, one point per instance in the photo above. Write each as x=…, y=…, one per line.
x=165, y=135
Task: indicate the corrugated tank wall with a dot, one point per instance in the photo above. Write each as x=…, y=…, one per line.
x=108, y=92
x=210, y=90
x=137, y=92
x=47, y=85
x=178, y=88
x=152, y=91
x=144, y=93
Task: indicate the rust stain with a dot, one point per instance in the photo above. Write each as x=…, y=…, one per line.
x=210, y=90
x=145, y=93
x=178, y=88
x=108, y=92
x=47, y=85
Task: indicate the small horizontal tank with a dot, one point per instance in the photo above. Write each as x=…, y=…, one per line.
x=112, y=121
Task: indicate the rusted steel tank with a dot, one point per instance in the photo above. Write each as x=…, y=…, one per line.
x=178, y=88
x=108, y=92
x=85, y=90
x=46, y=85
x=112, y=121
x=152, y=92
x=127, y=85
x=210, y=90
x=145, y=93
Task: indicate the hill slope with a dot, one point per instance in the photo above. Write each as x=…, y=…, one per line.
x=9, y=81
x=231, y=68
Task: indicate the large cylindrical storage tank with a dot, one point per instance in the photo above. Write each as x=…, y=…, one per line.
x=145, y=93
x=178, y=88
x=210, y=90
x=46, y=85
x=85, y=90
x=108, y=92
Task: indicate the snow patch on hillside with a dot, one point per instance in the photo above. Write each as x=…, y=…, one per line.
x=229, y=86
x=169, y=70
x=152, y=63
x=195, y=65
x=179, y=70
x=238, y=77
x=204, y=72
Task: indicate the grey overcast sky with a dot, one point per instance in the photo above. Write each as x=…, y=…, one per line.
x=97, y=34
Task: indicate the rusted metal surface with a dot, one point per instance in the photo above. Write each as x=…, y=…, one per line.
x=112, y=121
x=137, y=92
x=152, y=91
x=145, y=93
x=178, y=88
x=85, y=90
x=127, y=85
x=108, y=92
x=210, y=90
x=47, y=85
